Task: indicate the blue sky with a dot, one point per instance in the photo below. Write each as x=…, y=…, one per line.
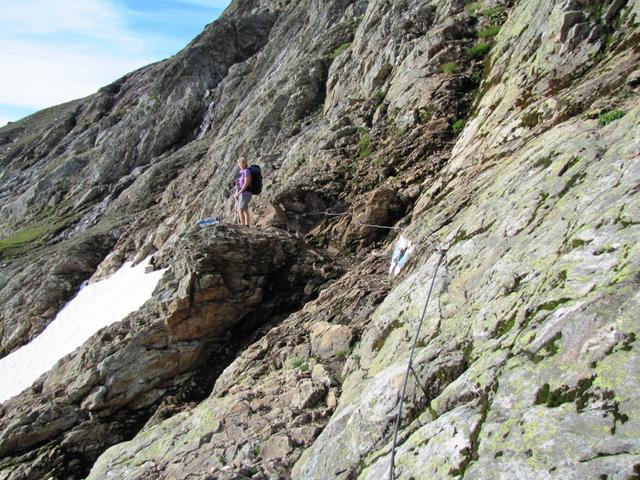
x=53, y=51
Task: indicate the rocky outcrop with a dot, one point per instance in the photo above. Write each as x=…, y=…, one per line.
x=267, y=406
x=79, y=181
x=496, y=135
x=219, y=284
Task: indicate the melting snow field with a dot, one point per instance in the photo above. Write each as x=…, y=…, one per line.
x=94, y=307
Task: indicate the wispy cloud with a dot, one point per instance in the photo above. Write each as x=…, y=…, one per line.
x=205, y=3
x=44, y=75
x=55, y=51
x=94, y=20
x=4, y=120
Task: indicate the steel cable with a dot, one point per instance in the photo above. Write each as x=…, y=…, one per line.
x=410, y=367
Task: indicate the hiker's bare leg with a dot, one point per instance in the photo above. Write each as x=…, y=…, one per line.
x=248, y=217
x=243, y=216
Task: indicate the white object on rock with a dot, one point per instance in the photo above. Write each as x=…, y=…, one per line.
x=401, y=253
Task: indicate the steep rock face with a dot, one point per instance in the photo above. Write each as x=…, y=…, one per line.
x=172, y=347
x=527, y=348
x=531, y=296
x=56, y=191
x=527, y=362
x=267, y=406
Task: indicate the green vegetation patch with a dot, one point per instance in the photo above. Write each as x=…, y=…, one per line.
x=479, y=50
x=344, y=353
x=341, y=49
x=613, y=115
x=549, y=306
x=300, y=363
x=22, y=240
x=565, y=394
x=449, y=67
x=473, y=8
x=505, y=326
x=380, y=96
x=425, y=115
x=458, y=125
x=364, y=146
x=489, y=32
x=493, y=12
x=551, y=347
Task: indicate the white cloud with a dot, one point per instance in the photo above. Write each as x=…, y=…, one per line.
x=206, y=3
x=92, y=19
x=43, y=75
x=53, y=52
x=4, y=120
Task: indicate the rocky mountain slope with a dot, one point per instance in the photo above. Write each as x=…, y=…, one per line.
x=496, y=136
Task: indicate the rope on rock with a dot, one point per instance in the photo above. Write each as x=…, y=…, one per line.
x=410, y=369
x=326, y=214
x=344, y=214
x=379, y=226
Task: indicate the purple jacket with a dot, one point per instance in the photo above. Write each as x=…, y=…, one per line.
x=244, y=175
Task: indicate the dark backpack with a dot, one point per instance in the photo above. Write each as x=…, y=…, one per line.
x=256, y=180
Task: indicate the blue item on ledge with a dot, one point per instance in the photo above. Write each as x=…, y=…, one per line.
x=208, y=222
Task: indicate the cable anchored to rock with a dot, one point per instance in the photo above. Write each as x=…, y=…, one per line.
x=410, y=369
x=344, y=214
x=327, y=214
x=379, y=226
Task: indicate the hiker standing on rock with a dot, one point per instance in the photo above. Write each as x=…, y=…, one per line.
x=243, y=194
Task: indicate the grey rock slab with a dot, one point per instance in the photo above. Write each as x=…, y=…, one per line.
x=534, y=313
x=437, y=450
x=366, y=414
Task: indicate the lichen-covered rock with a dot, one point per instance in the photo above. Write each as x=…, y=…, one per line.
x=217, y=280
x=265, y=408
x=499, y=136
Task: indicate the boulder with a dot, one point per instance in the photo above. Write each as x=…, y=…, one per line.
x=276, y=447
x=329, y=340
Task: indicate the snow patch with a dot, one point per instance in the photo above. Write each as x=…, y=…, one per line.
x=96, y=306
